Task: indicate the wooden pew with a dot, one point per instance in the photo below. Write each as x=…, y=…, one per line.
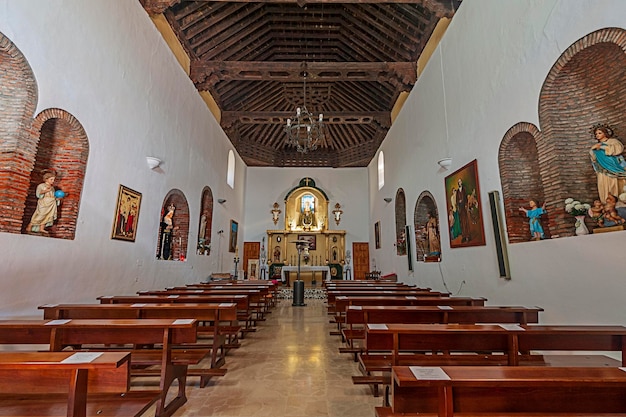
x=474, y=391
x=258, y=303
x=272, y=287
x=244, y=312
x=70, y=384
x=484, y=344
x=219, y=316
x=511, y=341
x=60, y=334
x=342, y=303
x=358, y=316
x=406, y=291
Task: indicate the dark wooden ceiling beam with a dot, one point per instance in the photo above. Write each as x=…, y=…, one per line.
x=216, y=71
x=442, y=8
x=278, y=117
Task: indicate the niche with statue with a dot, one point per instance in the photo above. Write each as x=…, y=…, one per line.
x=426, y=223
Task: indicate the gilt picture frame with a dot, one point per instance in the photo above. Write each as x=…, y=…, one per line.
x=463, y=200
x=126, y=214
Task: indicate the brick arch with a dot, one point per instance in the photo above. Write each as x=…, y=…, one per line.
x=180, y=221
x=62, y=146
x=586, y=85
x=206, y=209
x=18, y=101
x=522, y=179
x=400, y=210
x=425, y=204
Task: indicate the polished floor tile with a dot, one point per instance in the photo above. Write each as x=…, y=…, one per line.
x=290, y=367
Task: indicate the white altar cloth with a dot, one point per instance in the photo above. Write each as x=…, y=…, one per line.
x=303, y=268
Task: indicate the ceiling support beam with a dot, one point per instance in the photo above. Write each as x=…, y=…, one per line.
x=206, y=74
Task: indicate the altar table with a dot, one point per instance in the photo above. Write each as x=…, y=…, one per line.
x=284, y=273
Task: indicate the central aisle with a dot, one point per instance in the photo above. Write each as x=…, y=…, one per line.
x=290, y=367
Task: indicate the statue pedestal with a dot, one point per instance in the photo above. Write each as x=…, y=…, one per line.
x=298, y=294
x=608, y=229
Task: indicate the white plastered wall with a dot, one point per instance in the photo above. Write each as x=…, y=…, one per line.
x=485, y=76
x=105, y=63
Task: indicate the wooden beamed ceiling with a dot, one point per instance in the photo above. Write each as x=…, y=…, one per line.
x=252, y=57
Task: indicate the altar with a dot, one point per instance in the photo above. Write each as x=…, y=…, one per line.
x=308, y=236
x=307, y=273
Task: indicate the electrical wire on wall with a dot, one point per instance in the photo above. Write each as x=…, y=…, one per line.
x=445, y=285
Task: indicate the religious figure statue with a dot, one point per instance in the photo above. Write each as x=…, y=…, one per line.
x=534, y=213
x=432, y=231
x=167, y=231
x=610, y=214
x=608, y=162
x=46, y=212
x=307, y=217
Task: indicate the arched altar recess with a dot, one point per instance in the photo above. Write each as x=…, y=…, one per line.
x=307, y=218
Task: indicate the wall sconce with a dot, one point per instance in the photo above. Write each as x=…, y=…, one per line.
x=275, y=213
x=221, y=200
x=337, y=212
x=153, y=162
x=445, y=163
x=387, y=199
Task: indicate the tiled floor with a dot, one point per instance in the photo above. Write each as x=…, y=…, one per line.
x=290, y=367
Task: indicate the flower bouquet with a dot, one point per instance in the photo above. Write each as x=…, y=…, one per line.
x=576, y=208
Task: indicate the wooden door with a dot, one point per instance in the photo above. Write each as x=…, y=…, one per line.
x=251, y=250
x=360, y=259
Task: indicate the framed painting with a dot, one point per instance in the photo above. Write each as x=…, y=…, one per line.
x=253, y=269
x=126, y=214
x=232, y=241
x=465, y=219
x=377, y=234
x=310, y=239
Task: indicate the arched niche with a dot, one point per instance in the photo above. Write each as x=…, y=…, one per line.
x=63, y=148
x=426, y=226
x=586, y=86
x=521, y=178
x=205, y=222
x=18, y=100
x=400, y=211
x=173, y=227
x=306, y=207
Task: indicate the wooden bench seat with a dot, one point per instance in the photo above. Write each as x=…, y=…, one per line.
x=74, y=333
x=449, y=391
x=244, y=312
x=214, y=330
x=258, y=303
x=484, y=344
x=69, y=384
x=358, y=316
x=342, y=303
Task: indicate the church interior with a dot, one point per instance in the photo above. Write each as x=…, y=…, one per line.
x=469, y=148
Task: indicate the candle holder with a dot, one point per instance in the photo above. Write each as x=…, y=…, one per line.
x=236, y=261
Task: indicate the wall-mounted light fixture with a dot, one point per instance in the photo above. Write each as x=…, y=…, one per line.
x=337, y=213
x=445, y=163
x=275, y=212
x=153, y=162
x=221, y=200
x=387, y=199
